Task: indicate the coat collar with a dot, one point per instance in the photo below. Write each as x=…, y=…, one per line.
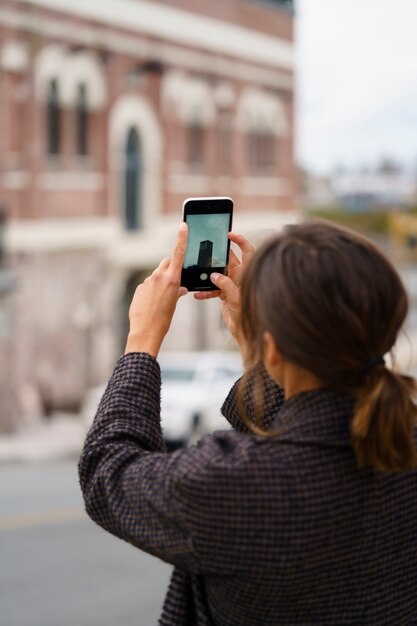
x=318, y=416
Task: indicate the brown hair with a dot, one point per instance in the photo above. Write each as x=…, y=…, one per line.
x=333, y=302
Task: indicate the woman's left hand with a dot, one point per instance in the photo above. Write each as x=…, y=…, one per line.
x=155, y=300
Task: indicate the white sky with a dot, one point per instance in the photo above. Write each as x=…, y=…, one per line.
x=357, y=82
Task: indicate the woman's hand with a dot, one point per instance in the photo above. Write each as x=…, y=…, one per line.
x=229, y=286
x=155, y=300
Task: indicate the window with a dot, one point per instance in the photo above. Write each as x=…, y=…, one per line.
x=3, y=217
x=82, y=121
x=195, y=144
x=53, y=119
x=224, y=143
x=179, y=374
x=133, y=167
x=261, y=150
x=286, y=4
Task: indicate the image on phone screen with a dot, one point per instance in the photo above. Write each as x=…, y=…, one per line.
x=207, y=241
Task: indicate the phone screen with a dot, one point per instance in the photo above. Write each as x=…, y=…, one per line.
x=209, y=222
x=207, y=240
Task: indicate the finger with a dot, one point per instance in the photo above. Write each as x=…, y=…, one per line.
x=182, y=292
x=245, y=245
x=206, y=295
x=225, y=284
x=164, y=264
x=180, y=248
x=234, y=260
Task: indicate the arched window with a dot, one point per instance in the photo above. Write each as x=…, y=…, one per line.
x=261, y=151
x=53, y=118
x=195, y=144
x=133, y=167
x=82, y=120
x=224, y=142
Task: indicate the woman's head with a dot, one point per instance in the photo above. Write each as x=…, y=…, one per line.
x=329, y=298
x=332, y=302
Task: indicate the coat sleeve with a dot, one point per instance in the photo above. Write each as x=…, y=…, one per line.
x=260, y=393
x=137, y=491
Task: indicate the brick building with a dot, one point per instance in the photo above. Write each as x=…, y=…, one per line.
x=112, y=112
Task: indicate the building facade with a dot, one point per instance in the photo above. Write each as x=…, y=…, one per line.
x=112, y=113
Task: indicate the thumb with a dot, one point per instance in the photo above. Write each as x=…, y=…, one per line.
x=225, y=284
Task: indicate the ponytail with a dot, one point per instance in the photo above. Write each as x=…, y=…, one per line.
x=384, y=419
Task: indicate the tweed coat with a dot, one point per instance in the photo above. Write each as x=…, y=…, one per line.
x=261, y=531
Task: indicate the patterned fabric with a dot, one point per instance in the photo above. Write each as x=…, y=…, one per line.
x=281, y=530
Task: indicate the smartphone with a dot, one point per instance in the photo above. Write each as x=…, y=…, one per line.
x=209, y=222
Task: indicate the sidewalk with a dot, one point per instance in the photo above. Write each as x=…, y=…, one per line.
x=59, y=438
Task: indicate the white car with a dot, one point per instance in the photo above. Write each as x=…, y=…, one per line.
x=194, y=386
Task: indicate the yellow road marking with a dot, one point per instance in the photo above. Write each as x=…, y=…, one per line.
x=41, y=518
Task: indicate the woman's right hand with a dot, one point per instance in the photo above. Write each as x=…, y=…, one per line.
x=229, y=286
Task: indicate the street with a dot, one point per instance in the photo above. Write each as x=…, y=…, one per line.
x=57, y=567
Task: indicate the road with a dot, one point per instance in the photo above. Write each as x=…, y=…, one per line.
x=58, y=568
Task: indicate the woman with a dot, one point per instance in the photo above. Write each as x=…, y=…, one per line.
x=306, y=513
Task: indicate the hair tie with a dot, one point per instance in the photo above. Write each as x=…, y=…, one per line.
x=373, y=362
